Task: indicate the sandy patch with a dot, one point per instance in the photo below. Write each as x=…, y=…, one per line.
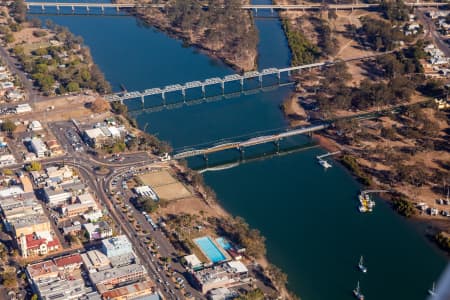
x=172, y=191
x=158, y=178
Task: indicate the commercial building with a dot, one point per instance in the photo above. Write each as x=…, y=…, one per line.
x=21, y=207
x=38, y=147
x=35, y=126
x=219, y=276
x=30, y=224
x=97, y=137
x=60, y=279
x=193, y=262
x=7, y=160
x=110, y=278
x=95, y=260
x=23, y=108
x=131, y=291
x=97, y=231
x=115, y=246
x=56, y=196
x=146, y=191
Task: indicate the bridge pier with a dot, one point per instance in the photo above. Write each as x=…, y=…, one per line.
x=57, y=8
x=205, y=157
x=203, y=91
x=241, y=152
x=73, y=8
x=260, y=79
x=183, y=92
x=87, y=8
x=279, y=77
x=222, y=84
x=103, y=9
x=163, y=95
x=43, y=7
x=143, y=101
x=277, y=144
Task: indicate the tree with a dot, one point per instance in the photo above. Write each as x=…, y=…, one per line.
x=9, y=279
x=33, y=166
x=73, y=87
x=404, y=207
x=8, y=172
x=8, y=126
x=279, y=278
x=100, y=105
x=19, y=9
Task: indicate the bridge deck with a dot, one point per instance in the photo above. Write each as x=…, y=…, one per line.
x=250, y=142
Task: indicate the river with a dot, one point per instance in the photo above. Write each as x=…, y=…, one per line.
x=309, y=216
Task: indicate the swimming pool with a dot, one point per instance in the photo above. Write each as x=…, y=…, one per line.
x=210, y=249
x=224, y=243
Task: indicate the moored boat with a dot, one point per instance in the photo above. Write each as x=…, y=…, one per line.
x=361, y=266
x=357, y=292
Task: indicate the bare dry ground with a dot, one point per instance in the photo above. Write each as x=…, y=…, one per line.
x=165, y=185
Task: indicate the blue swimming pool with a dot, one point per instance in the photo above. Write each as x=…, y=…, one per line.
x=224, y=243
x=210, y=249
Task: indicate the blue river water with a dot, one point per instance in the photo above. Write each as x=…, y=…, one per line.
x=309, y=217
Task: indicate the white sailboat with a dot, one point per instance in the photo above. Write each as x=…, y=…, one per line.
x=432, y=291
x=361, y=266
x=357, y=292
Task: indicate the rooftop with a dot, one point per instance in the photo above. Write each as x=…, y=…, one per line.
x=109, y=274
x=42, y=269
x=64, y=261
x=147, y=285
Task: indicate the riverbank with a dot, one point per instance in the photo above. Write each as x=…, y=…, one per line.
x=234, y=45
x=200, y=205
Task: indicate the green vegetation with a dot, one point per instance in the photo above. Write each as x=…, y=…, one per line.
x=328, y=43
x=351, y=163
x=256, y=294
x=8, y=279
x=379, y=35
x=18, y=10
x=8, y=126
x=146, y=204
x=277, y=276
x=403, y=207
x=7, y=172
x=62, y=68
x=395, y=10
x=303, y=51
x=223, y=28
x=33, y=166
x=239, y=232
x=443, y=241
x=397, y=67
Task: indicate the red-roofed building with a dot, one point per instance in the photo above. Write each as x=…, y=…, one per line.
x=69, y=262
x=33, y=245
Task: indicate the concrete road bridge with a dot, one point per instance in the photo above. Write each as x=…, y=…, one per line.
x=183, y=87
x=312, y=6
x=240, y=145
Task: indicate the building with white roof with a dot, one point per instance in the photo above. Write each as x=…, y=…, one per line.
x=23, y=108
x=115, y=246
x=146, y=191
x=38, y=147
x=6, y=160
x=193, y=262
x=35, y=126
x=219, y=276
